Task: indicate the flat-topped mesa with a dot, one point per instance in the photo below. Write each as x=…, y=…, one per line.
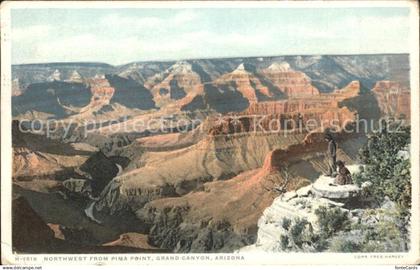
x=292, y=83
x=393, y=99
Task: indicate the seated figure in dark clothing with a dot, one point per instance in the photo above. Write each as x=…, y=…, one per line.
x=331, y=155
x=344, y=176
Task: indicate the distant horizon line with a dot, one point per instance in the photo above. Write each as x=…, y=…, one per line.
x=203, y=58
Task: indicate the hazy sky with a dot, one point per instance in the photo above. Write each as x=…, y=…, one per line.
x=118, y=36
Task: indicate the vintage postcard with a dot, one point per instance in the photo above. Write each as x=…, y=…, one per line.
x=210, y=132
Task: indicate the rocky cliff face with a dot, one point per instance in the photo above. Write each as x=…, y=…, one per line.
x=301, y=104
x=222, y=85
x=326, y=72
x=185, y=224
x=36, y=73
x=30, y=233
x=233, y=91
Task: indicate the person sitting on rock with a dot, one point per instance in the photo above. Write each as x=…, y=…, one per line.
x=344, y=176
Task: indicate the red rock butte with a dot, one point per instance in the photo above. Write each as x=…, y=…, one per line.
x=292, y=83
